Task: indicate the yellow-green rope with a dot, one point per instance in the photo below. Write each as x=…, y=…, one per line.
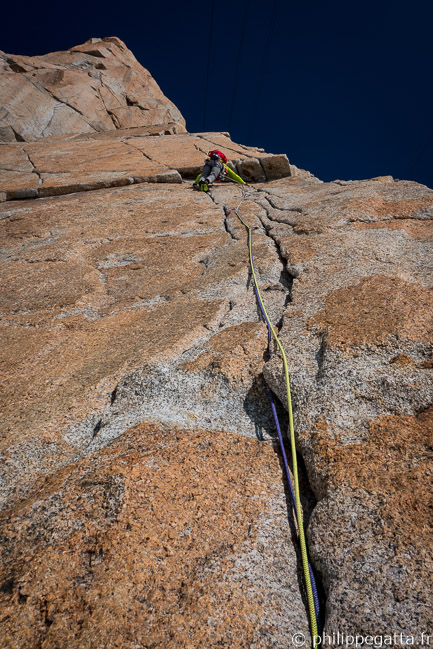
x=303, y=544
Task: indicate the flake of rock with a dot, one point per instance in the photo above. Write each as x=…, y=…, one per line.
x=275, y=166
x=251, y=170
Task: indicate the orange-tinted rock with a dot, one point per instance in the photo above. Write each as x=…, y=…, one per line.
x=165, y=538
x=97, y=86
x=98, y=286
x=417, y=229
x=376, y=525
x=382, y=209
x=235, y=352
x=375, y=309
x=358, y=334
x=55, y=166
x=134, y=305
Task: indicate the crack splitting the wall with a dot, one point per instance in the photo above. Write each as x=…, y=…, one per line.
x=34, y=170
x=286, y=278
x=229, y=230
x=105, y=106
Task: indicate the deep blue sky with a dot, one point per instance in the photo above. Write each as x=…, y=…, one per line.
x=344, y=88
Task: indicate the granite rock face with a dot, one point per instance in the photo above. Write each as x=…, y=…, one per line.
x=58, y=165
x=142, y=498
x=93, y=87
x=170, y=540
x=358, y=333
x=130, y=305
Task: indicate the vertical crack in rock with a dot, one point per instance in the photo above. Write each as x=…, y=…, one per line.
x=308, y=505
x=229, y=229
x=286, y=278
x=115, y=122
x=308, y=499
x=97, y=427
x=34, y=170
x=320, y=357
x=307, y=495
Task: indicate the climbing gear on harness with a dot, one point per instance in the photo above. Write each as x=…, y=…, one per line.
x=310, y=585
x=223, y=173
x=226, y=174
x=216, y=169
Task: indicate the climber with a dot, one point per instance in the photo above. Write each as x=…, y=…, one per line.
x=215, y=169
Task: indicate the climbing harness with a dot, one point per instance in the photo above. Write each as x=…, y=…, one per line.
x=310, y=584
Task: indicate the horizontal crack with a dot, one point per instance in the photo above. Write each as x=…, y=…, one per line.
x=248, y=155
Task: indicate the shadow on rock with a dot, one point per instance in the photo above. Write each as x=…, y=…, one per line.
x=258, y=408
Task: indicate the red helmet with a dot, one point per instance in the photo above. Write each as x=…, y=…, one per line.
x=219, y=154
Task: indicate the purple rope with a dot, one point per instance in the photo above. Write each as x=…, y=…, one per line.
x=293, y=498
x=281, y=442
